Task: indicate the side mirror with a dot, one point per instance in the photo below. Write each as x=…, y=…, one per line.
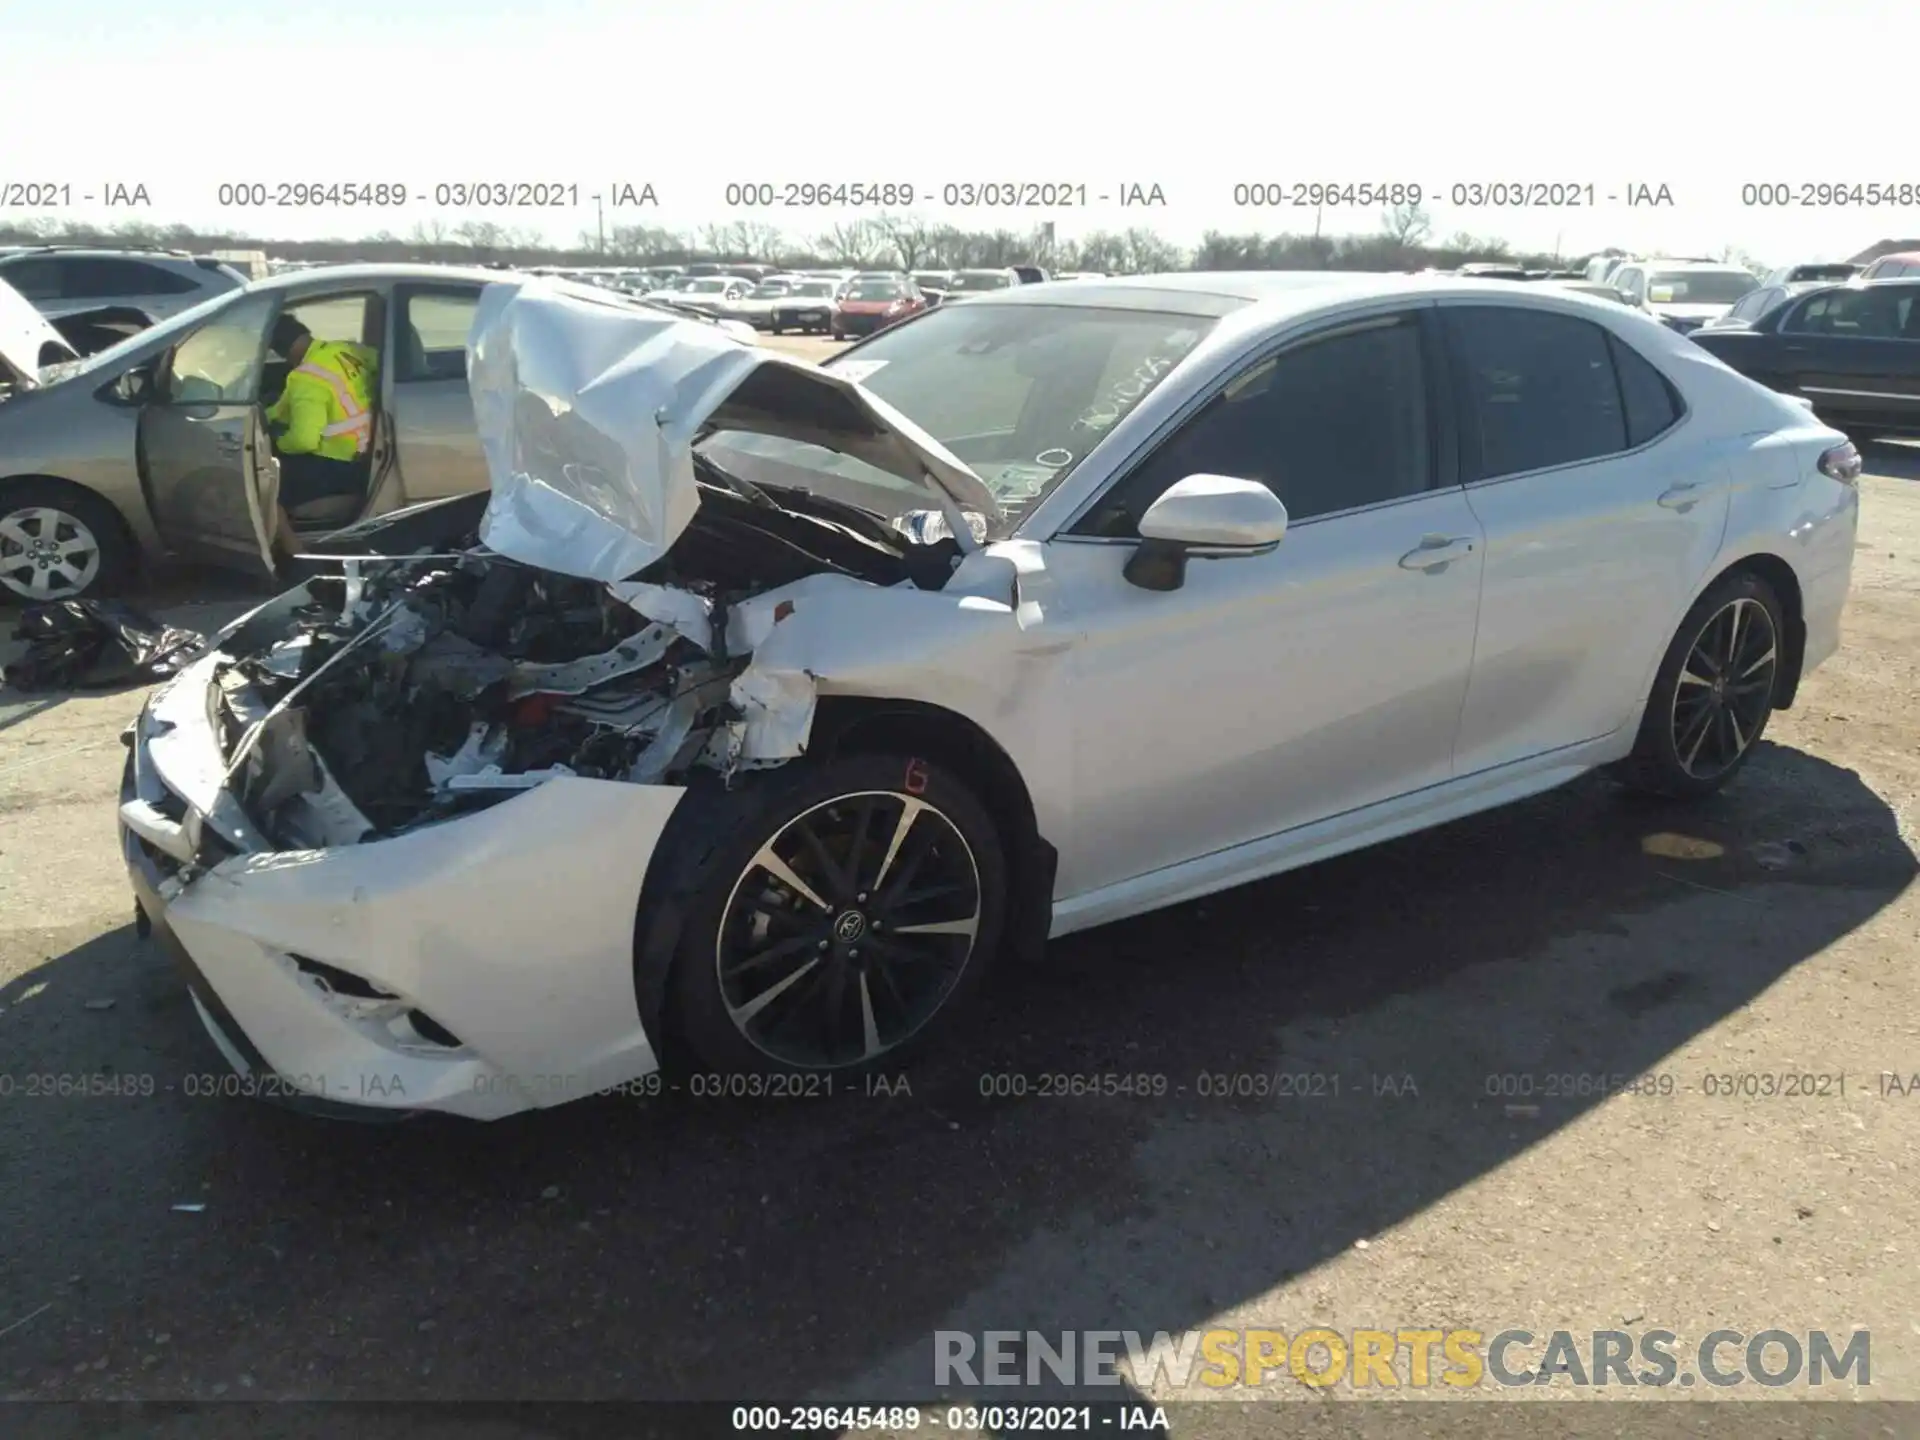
x=1213, y=516
x=134, y=387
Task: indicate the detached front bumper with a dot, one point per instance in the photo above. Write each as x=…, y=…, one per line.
x=479, y=967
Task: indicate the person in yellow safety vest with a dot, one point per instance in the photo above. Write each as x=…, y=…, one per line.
x=322, y=423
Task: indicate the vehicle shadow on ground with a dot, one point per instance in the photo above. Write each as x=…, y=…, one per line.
x=690, y=1248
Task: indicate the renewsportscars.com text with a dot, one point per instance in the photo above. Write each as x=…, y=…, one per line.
x=1401, y=1358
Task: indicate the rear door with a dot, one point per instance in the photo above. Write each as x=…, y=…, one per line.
x=437, y=444
x=206, y=466
x=1601, y=514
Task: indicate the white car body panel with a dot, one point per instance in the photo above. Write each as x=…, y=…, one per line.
x=588, y=413
x=1377, y=672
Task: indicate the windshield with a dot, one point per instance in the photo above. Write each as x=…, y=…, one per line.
x=1698, y=287
x=772, y=290
x=706, y=287
x=876, y=290
x=1021, y=393
x=980, y=280
x=930, y=281
x=814, y=287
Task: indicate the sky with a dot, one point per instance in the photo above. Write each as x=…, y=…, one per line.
x=590, y=95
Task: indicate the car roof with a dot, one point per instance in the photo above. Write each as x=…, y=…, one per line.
x=1277, y=294
x=350, y=274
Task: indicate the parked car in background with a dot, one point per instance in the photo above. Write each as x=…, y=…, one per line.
x=1893, y=267
x=117, y=287
x=1030, y=275
x=1601, y=268
x=1194, y=500
x=1683, y=294
x=808, y=307
x=1853, y=352
x=755, y=308
x=713, y=294
x=973, y=282
x=933, y=284
x=158, y=446
x=1830, y=271
x=1491, y=270
x=1751, y=306
x=1585, y=287
x=873, y=302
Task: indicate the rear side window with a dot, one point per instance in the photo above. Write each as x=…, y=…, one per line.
x=1651, y=403
x=103, y=279
x=433, y=334
x=1534, y=390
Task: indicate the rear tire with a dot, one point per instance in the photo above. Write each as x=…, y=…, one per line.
x=60, y=542
x=1713, y=694
x=792, y=961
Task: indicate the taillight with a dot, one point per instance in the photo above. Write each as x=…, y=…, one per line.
x=1842, y=463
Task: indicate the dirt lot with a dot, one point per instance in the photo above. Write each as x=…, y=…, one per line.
x=695, y=1249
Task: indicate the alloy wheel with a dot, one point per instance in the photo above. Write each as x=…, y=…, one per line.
x=1725, y=690
x=47, y=554
x=848, y=930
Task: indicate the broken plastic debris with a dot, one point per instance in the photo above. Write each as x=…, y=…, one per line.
x=189, y=1207
x=494, y=778
x=99, y=1005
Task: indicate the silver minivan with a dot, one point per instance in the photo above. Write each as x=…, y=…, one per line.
x=158, y=446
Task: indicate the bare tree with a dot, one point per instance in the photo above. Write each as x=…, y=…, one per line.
x=1409, y=225
x=851, y=242
x=909, y=235
x=1145, y=253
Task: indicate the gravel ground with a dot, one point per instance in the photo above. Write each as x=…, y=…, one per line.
x=704, y=1250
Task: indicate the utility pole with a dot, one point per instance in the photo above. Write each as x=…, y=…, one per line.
x=600, y=222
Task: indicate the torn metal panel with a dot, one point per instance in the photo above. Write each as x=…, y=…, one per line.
x=588, y=414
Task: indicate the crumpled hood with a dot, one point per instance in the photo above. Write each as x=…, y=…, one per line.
x=588, y=411
x=24, y=335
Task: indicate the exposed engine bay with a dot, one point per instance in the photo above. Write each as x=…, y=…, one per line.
x=409, y=689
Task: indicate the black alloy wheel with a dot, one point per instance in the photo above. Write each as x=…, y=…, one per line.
x=848, y=930
x=1725, y=689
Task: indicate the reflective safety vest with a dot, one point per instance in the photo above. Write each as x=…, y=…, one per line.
x=327, y=407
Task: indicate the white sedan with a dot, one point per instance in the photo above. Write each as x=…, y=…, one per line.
x=764, y=705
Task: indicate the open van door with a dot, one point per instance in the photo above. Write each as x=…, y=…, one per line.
x=206, y=459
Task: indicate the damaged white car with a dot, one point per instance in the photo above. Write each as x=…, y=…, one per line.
x=763, y=704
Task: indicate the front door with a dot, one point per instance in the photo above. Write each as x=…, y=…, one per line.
x=1855, y=353
x=205, y=461
x=1274, y=690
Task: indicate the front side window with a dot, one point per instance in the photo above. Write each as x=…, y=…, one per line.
x=1332, y=424
x=1632, y=282
x=219, y=363
x=1538, y=390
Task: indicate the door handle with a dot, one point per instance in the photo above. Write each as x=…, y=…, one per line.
x=1435, y=551
x=1682, y=496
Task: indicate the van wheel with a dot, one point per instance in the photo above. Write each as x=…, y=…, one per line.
x=59, y=542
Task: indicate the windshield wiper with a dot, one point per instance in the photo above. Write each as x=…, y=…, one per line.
x=745, y=489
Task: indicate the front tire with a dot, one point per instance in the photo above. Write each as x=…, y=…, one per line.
x=59, y=542
x=1713, y=694
x=843, y=913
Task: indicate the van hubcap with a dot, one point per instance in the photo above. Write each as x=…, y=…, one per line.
x=47, y=554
